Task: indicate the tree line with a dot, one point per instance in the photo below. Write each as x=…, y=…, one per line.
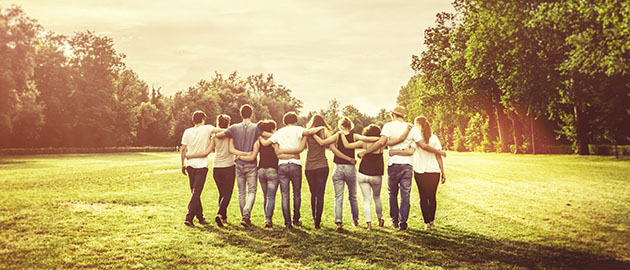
x=520, y=75
x=76, y=91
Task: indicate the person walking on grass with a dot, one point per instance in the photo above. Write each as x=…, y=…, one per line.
x=371, y=171
x=267, y=168
x=316, y=169
x=428, y=171
x=195, y=140
x=243, y=135
x=223, y=169
x=399, y=168
x=290, y=167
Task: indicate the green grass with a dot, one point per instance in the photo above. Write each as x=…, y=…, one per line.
x=495, y=211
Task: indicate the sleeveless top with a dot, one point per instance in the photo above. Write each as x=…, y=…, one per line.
x=372, y=164
x=343, y=149
x=316, y=154
x=268, y=158
x=222, y=157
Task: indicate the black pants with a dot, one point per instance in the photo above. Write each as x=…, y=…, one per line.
x=224, y=178
x=317, y=183
x=427, y=185
x=197, y=178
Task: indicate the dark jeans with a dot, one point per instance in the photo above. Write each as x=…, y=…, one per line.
x=224, y=178
x=290, y=173
x=197, y=178
x=427, y=185
x=317, y=183
x=399, y=178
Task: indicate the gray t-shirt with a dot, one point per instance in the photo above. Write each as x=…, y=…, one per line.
x=244, y=135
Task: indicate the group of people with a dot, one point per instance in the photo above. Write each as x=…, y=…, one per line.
x=259, y=152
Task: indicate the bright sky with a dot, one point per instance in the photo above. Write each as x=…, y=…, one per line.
x=356, y=51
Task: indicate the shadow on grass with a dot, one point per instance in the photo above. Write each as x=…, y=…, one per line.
x=387, y=248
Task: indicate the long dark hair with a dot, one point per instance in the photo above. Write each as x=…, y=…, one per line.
x=426, y=128
x=317, y=121
x=372, y=130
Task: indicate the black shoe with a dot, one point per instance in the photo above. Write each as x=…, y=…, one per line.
x=245, y=223
x=189, y=223
x=355, y=223
x=203, y=221
x=297, y=223
x=317, y=226
x=268, y=224
x=218, y=220
x=395, y=225
x=403, y=226
x=288, y=226
x=339, y=227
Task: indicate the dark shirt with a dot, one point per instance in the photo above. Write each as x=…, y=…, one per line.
x=343, y=149
x=372, y=164
x=244, y=136
x=268, y=158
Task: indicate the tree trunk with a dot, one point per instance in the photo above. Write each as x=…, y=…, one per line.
x=502, y=127
x=531, y=125
x=492, y=126
x=516, y=132
x=580, y=131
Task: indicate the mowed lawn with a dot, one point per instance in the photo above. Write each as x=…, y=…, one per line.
x=495, y=211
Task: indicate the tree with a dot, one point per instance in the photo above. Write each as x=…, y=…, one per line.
x=18, y=34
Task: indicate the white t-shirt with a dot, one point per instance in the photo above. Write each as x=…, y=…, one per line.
x=424, y=161
x=288, y=138
x=393, y=130
x=197, y=140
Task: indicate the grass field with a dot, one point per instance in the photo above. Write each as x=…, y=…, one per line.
x=495, y=211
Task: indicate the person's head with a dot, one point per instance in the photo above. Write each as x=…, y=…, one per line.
x=198, y=117
x=398, y=113
x=223, y=121
x=372, y=130
x=267, y=125
x=290, y=118
x=425, y=127
x=317, y=121
x=246, y=111
x=345, y=124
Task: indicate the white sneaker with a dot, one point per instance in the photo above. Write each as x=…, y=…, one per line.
x=431, y=225
x=427, y=226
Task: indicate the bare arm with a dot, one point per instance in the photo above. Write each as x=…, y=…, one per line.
x=326, y=141
x=183, y=155
x=236, y=152
x=359, y=137
x=407, y=152
x=439, y=160
x=338, y=153
x=377, y=145
x=354, y=145
x=401, y=138
x=428, y=148
x=264, y=141
x=251, y=156
x=209, y=150
x=294, y=151
x=311, y=131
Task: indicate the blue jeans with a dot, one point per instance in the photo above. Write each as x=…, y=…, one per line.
x=268, y=178
x=345, y=175
x=317, y=184
x=290, y=173
x=399, y=177
x=246, y=175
